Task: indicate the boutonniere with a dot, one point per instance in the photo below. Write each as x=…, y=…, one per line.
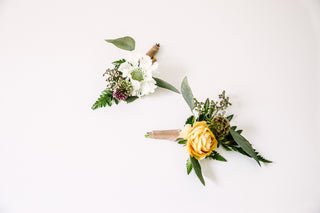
x=131, y=77
x=206, y=130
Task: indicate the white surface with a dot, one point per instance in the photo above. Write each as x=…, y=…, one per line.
x=57, y=155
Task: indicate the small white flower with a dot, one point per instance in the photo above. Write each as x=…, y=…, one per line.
x=138, y=69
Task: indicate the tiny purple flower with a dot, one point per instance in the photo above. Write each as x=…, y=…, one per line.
x=119, y=95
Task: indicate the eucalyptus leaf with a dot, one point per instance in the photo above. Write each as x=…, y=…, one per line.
x=187, y=93
x=216, y=156
x=125, y=43
x=197, y=169
x=189, y=166
x=165, y=85
x=244, y=144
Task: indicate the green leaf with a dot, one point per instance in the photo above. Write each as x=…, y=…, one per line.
x=216, y=156
x=233, y=127
x=230, y=117
x=119, y=62
x=206, y=105
x=239, y=131
x=183, y=141
x=190, y=120
x=197, y=169
x=125, y=43
x=131, y=99
x=104, y=99
x=262, y=159
x=165, y=85
x=189, y=166
x=187, y=93
x=244, y=144
x=226, y=147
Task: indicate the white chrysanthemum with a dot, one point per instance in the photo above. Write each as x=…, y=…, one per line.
x=138, y=69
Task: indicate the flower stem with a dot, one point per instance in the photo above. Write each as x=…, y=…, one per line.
x=153, y=51
x=171, y=135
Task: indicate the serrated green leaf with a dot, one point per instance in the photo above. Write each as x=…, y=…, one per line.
x=189, y=166
x=165, y=85
x=190, y=120
x=125, y=43
x=104, y=99
x=131, y=99
x=244, y=144
x=262, y=159
x=233, y=127
x=230, y=117
x=119, y=62
x=197, y=168
x=187, y=93
x=216, y=156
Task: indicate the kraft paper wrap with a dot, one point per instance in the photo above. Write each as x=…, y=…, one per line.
x=171, y=135
x=153, y=51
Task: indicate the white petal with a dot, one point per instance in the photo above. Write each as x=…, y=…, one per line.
x=125, y=68
x=145, y=62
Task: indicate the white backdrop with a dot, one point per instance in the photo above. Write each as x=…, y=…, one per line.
x=57, y=155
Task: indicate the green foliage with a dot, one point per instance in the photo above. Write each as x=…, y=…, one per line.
x=131, y=99
x=187, y=93
x=183, y=141
x=244, y=144
x=105, y=99
x=190, y=120
x=209, y=109
x=239, y=131
x=229, y=143
x=165, y=85
x=261, y=159
x=119, y=62
x=197, y=168
x=216, y=156
x=230, y=117
x=189, y=166
x=125, y=43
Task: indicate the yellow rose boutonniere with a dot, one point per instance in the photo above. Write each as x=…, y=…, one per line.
x=205, y=130
x=200, y=140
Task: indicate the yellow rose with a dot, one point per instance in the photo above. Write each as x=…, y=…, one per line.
x=201, y=141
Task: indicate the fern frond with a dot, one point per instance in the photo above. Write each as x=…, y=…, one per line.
x=104, y=99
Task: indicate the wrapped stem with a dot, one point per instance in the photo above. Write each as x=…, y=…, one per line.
x=153, y=51
x=171, y=135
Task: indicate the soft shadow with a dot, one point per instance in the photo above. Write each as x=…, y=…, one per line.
x=207, y=170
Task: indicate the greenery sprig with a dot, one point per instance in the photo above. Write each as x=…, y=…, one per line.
x=213, y=113
x=120, y=87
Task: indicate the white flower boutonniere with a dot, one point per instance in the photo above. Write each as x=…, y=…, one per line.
x=131, y=78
